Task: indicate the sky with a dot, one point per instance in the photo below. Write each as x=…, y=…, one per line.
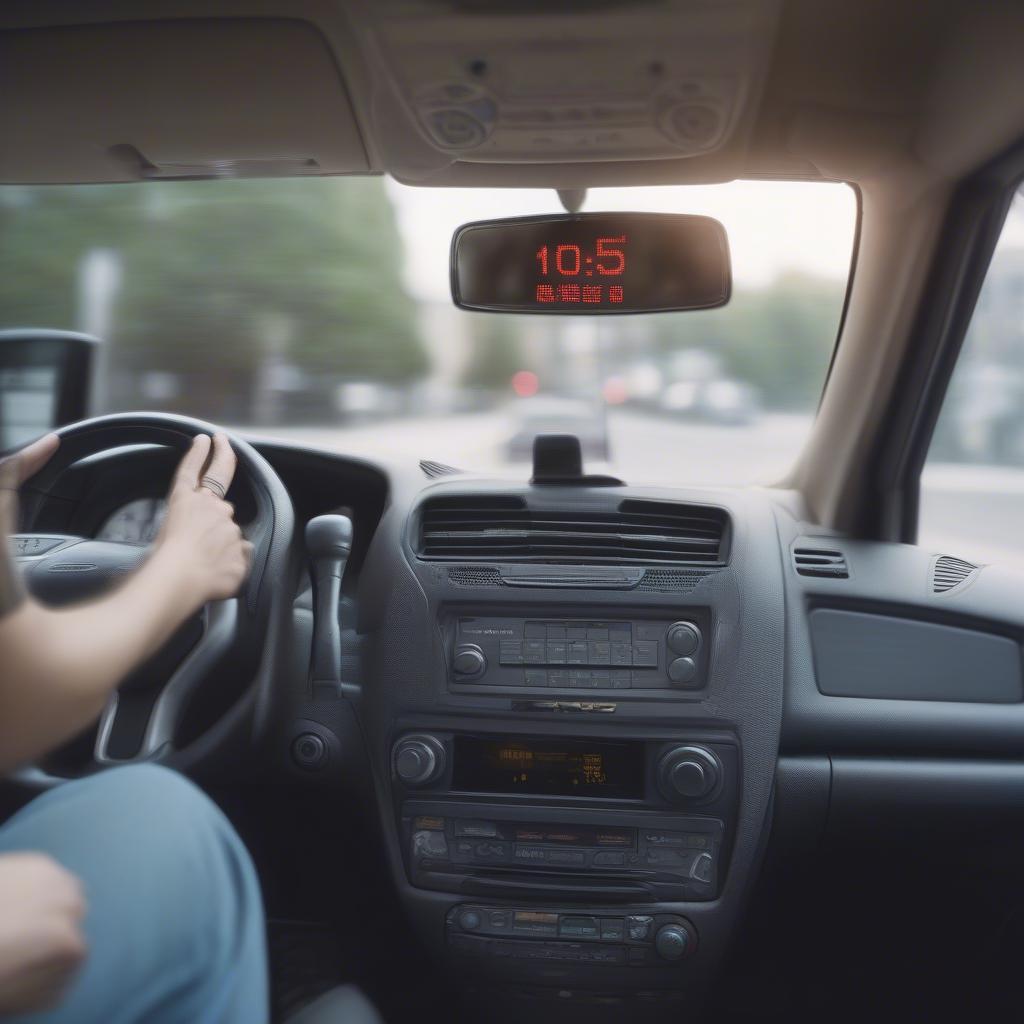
x=773, y=227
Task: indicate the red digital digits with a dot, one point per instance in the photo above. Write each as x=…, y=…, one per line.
x=571, y=260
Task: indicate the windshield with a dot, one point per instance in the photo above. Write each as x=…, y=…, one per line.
x=318, y=310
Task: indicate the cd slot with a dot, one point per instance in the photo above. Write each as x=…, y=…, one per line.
x=512, y=884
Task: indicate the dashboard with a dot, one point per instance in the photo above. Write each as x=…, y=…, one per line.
x=586, y=714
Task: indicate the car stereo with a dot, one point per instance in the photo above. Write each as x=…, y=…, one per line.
x=569, y=851
x=575, y=654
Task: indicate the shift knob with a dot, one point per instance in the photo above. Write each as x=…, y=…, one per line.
x=328, y=544
x=328, y=537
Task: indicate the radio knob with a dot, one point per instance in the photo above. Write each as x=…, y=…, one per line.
x=683, y=638
x=469, y=661
x=418, y=760
x=672, y=942
x=688, y=773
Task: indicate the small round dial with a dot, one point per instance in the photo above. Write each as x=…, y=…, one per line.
x=687, y=774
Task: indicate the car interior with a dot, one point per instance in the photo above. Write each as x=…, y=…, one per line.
x=573, y=741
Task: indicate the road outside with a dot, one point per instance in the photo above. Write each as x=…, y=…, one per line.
x=974, y=512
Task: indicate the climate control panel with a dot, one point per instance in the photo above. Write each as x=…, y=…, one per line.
x=584, y=936
x=579, y=654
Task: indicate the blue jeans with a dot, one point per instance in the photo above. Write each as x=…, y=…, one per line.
x=175, y=922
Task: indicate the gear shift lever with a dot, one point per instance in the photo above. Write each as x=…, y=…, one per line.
x=328, y=544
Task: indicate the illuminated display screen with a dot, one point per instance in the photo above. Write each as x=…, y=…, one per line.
x=592, y=263
x=550, y=768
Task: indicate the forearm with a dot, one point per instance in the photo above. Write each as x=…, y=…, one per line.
x=60, y=665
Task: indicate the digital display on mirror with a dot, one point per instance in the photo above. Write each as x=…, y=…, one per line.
x=595, y=768
x=591, y=263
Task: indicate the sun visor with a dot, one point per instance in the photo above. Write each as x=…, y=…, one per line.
x=173, y=99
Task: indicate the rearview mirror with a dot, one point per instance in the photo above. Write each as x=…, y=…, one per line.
x=45, y=379
x=591, y=263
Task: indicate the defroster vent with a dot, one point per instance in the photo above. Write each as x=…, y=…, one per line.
x=503, y=528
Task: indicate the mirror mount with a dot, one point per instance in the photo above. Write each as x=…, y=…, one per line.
x=572, y=199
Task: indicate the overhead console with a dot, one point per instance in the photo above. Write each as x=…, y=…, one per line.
x=508, y=85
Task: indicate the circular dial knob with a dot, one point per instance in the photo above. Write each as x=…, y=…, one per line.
x=688, y=773
x=418, y=760
x=469, y=660
x=683, y=638
x=672, y=942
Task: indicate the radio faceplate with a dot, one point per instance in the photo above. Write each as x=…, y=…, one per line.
x=612, y=857
x=545, y=653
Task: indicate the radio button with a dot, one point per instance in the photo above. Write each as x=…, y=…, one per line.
x=620, y=636
x=622, y=654
x=645, y=654
x=535, y=652
x=566, y=857
x=598, y=652
x=559, y=678
x=492, y=850
x=578, y=927
x=577, y=652
x=639, y=927
x=530, y=853
x=470, y=920
x=556, y=652
x=536, y=677
x=682, y=671
x=703, y=868
x=672, y=942
x=510, y=652
x=613, y=928
x=480, y=829
x=597, y=633
x=609, y=859
x=469, y=660
x=622, y=680
x=683, y=638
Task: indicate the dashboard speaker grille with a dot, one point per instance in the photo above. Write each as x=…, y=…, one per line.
x=502, y=528
x=949, y=572
x=475, y=576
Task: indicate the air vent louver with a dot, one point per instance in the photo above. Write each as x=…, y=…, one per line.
x=948, y=572
x=821, y=563
x=502, y=528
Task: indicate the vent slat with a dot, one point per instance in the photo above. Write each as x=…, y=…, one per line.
x=504, y=529
x=821, y=563
x=949, y=572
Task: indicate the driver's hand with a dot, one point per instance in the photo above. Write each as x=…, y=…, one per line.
x=41, y=943
x=200, y=531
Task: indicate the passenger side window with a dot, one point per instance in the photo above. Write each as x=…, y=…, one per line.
x=972, y=488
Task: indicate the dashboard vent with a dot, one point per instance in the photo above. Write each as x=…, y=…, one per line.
x=821, y=563
x=949, y=572
x=502, y=528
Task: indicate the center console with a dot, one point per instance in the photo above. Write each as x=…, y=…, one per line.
x=576, y=761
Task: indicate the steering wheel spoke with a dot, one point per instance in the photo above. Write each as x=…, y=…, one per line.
x=156, y=713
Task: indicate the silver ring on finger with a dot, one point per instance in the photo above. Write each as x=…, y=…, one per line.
x=212, y=484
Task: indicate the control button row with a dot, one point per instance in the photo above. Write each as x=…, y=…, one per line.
x=641, y=654
x=551, y=631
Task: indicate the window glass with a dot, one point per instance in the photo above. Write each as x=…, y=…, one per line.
x=972, y=488
x=318, y=310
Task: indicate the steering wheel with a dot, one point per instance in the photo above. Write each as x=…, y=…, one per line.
x=250, y=625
